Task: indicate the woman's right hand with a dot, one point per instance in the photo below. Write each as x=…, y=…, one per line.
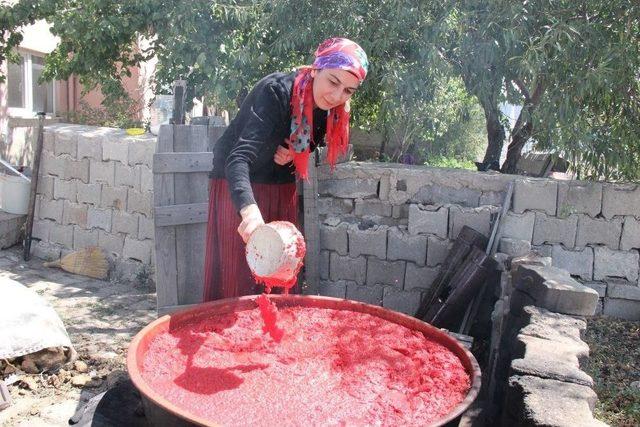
x=251, y=219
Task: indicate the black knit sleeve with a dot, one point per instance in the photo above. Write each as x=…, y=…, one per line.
x=265, y=116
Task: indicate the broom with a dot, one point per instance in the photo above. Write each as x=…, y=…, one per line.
x=87, y=262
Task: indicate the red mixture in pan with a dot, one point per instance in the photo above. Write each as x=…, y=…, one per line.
x=329, y=367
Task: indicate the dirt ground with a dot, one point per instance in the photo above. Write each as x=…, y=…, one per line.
x=100, y=317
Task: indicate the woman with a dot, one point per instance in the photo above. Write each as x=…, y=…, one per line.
x=256, y=160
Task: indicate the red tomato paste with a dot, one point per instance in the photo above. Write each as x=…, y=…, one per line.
x=331, y=367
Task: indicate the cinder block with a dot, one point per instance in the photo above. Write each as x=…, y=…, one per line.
x=400, y=211
x=77, y=169
x=146, y=229
x=113, y=197
x=622, y=308
x=45, y=186
x=372, y=207
x=48, y=140
x=90, y=147
x=67, y=190
x=401, y=301
x=102, y=172
x=41, y=228
x=141, y=152
x=381, y=272
x=437, y=250
x=367, y=241
x=535, y=194
x=403, y=246
x=334, y=289
x=324, y=265
x=84, y=238
x=74, y=213
x=514, y=247
x=117, y=150
x=370, y=294
x=128, y=176
x=111, y=243
x=555, y=230
x=99, y=218
x=50, y=209
x=518, y=226
x=349, y=188
x=599, y=231
x=331, y=206
x=89, y=193
x=620, y=199
x=347, y=268
x=492, y=198
x=419, y=277
x=439, y=195
x=553, y=289
x=630, y=234
x=428, y=219
x=62, y=235
x=66, y=142
x=124, y=222
x=146, y=178
x=477, y=218
x=575, y=262
x=575, y=197
x=609, y=263
x=384, y=188
x=140, y=202
x=53, y=165
x=137, y=249
x=334, y=237
x=46, y=251
x=623, y=291
x=599, y=287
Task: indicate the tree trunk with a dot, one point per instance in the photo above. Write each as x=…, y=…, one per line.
x=495, y=134
x=521, y=134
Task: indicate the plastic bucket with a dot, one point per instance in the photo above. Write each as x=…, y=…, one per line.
x=14, y=194
x=275, y=251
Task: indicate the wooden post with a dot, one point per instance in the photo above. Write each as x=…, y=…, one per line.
x=35, y=171
x=179, y=95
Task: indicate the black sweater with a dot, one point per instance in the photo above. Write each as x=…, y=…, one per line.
x=244, y=153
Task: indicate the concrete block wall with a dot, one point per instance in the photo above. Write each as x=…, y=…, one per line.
x=96, y=189
x=375, y=212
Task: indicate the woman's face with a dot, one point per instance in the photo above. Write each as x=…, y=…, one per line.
x=332, y=87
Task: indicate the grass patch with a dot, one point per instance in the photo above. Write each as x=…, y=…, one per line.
x=614, y=363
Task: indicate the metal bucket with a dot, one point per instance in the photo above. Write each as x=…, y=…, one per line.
x=162, y=412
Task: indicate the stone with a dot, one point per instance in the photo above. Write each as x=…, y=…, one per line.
x=127, y=176
x=332, y=206
x=80, y=380
x=372, y=207
x=50, y=209
x=61, y=234
x=576, y=197
x=477, y=218
x=400, y=211
x=146, y=178
x=89, y=193
x=139, y=250
x=555, y=327
x=518, y=226
x=599, y=231
x=140, y=202
x=349, y=188
x=141, y=152
x=370, y=294
x=437, y=250
x=113, y=197
x=347, y=268
x=99, y=218
x=74, y=213
x=623, y=291
x=84, y=238
x=555, y=230
x=401, y=301
x=112, y=244
x=47, y=359
x=334, y=289
x=549, y=367
x=45, y=186
x=575, y=262
x=381, y=272
x=428, y=219
x=620, y=199
x=117, y=150
x=630, y=234
x=622, y=308
x=80, y=366
x=599, y=287
x=102, y=172
x=46, y=251
x=48, y=140
x=367, y=241
x=53, y=165
x=66, y=142
x=403, y=246
x=334, y=237
x=609, y=263
x=492, y=198
x=324, y=265
x=552, y=289
x=438, y=194
x=41, y=228
x=420, y=278
x=514, y=247
x=77, y=169
x=146, y=228
x=65, y=189
x=90, y=148
x=535, y=194
x=123, y=222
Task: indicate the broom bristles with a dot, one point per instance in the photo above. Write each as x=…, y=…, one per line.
x=87, y=262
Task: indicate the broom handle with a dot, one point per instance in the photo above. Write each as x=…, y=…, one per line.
x=53, y=263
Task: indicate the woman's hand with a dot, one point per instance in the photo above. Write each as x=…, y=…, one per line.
x=251, y=219
x=283, y=156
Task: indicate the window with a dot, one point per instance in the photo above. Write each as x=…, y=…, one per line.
x=25, y=95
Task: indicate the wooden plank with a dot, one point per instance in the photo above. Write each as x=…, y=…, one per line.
x=214, y=133
x=182, y=162
x=165, y=237
x=192, y=213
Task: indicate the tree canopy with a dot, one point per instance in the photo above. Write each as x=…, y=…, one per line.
x=574, y=68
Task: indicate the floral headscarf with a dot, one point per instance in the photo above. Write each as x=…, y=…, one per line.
x=338, y=53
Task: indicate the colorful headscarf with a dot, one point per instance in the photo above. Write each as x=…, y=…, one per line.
x=338, y=53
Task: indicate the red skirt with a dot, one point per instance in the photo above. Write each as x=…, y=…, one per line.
x=226, y=273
